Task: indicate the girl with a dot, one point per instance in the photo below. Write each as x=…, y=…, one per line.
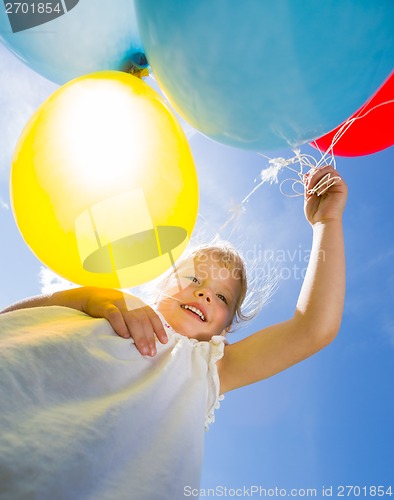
x=180, y=375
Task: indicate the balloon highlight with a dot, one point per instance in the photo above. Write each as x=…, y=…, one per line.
x=103, y=184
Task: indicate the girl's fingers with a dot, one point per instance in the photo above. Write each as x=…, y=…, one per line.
x=130, y=317
x=313, y=176
x=324, y=184
x=144, y=325
x=320, y=180
x=143, y=336
x=143, y=344
x=149, y=335
x=113, y=315
x=157, y=326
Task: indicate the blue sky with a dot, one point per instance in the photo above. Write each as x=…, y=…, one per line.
x=327, y=421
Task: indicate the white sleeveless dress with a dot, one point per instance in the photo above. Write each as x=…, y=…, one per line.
x=85, y=416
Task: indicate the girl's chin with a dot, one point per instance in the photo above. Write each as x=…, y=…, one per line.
x=187, y=330
x=186, y=325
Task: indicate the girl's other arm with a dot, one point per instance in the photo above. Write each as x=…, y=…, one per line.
x=318, y=312
x=128, y=315
x=72, y=298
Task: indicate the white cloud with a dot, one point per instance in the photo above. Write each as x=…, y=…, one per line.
x=4, y=205
x=380, y=259
x=51, y=282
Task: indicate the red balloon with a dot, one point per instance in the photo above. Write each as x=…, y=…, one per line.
x=372, y=129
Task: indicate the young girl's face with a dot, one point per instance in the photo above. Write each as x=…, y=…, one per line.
x=199, y=299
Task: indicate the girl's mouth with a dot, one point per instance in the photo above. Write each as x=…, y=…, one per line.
x=195, y=311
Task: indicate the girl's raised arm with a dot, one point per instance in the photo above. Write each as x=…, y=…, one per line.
x=319, y=309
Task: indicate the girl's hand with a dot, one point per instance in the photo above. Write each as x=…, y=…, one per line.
x=127, y=314
x=330, y=203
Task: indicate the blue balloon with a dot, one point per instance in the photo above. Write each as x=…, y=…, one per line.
x=267, y=74
x=84, y=36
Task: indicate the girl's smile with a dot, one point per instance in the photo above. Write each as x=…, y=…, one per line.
x=199, y=302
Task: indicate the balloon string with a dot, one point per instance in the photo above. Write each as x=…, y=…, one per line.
x=324, y=184
x=276, y=165
x=308, y=160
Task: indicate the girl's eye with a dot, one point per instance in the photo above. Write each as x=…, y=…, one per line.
x=222, y=298
x=193, y=279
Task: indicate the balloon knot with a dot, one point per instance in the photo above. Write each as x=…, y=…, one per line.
x=137, y=65
x=139, y=73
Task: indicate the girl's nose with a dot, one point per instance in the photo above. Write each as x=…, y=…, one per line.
x=204, y=294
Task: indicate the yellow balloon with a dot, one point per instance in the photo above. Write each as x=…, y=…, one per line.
x=103, y=183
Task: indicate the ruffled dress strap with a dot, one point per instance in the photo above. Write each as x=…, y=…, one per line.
x=217, y=344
